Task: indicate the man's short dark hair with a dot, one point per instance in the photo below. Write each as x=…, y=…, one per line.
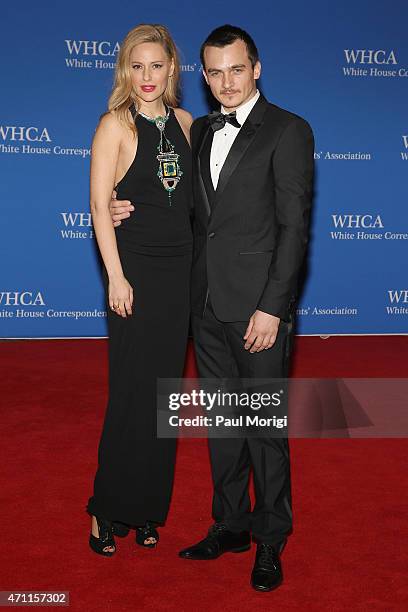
x=226, y=35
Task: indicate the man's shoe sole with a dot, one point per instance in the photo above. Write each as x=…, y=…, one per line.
x=234, y=550
x=266, y=589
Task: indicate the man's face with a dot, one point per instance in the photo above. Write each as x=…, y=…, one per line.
x=229, y=73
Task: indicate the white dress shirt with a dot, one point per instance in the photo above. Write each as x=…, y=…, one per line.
x=223, y=139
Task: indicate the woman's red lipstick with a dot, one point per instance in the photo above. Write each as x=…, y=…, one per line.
x=148, y=88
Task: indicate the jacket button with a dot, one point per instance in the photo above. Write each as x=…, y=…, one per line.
x=211, y=234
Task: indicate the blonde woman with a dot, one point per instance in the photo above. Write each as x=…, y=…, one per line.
x=141, y=149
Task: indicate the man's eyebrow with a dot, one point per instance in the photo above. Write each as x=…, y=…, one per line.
x=229, y=67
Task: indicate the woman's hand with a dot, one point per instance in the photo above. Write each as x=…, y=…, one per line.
x=120, y=296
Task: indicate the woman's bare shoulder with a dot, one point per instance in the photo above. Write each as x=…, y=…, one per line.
x=111, y=131
x=109, y=123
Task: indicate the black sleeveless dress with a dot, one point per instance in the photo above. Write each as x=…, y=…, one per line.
x=134, y=479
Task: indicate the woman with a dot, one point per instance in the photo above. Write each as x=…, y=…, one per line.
x=141, y=150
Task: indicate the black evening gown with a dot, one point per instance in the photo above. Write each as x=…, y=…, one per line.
x=134, y=478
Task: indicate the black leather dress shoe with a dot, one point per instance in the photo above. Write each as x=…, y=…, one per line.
x=267, y=571
x=218, y=541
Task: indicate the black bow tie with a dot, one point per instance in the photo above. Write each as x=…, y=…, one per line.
x=218, y=120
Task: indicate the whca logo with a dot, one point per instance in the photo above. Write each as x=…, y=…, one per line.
x=404, y=154
x=398, y=296
x=77, y=219
x=370, y=56
x=21, y=298
x=22, y=134
x=356, y=221
x=92, y=47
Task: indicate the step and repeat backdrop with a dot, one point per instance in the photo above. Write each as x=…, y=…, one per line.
x=341, y=65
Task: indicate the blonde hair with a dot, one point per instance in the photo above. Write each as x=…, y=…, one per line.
x=122, y=95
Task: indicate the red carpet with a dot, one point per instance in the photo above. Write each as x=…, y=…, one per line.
x=348, y=550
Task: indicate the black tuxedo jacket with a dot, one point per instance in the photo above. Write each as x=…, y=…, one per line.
x=250, y=234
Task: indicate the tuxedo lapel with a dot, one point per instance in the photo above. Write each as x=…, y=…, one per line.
x=205, y=166
x=205, y=133
x=240, y=145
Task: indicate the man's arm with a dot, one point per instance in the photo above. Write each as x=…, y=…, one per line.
x=119, y=209
x=293, y=167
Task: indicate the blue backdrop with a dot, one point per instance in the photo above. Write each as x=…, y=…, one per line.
x=341, y=65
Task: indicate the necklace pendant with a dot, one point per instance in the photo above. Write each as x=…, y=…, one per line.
x=161, y=123
x=169, y=170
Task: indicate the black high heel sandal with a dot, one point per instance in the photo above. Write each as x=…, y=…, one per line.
x=144, y=533
x=105, y=539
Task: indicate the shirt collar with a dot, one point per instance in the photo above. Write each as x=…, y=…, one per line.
x=244, y=110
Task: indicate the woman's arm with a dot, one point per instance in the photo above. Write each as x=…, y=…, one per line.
x=104, y=159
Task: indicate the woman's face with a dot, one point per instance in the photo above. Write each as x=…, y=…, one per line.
x=150, y=69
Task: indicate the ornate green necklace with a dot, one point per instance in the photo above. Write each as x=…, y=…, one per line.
x=169, y=171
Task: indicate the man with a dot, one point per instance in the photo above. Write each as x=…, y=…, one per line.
x=253, y=173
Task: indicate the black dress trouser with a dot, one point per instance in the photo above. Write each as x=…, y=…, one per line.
x=220, y=353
